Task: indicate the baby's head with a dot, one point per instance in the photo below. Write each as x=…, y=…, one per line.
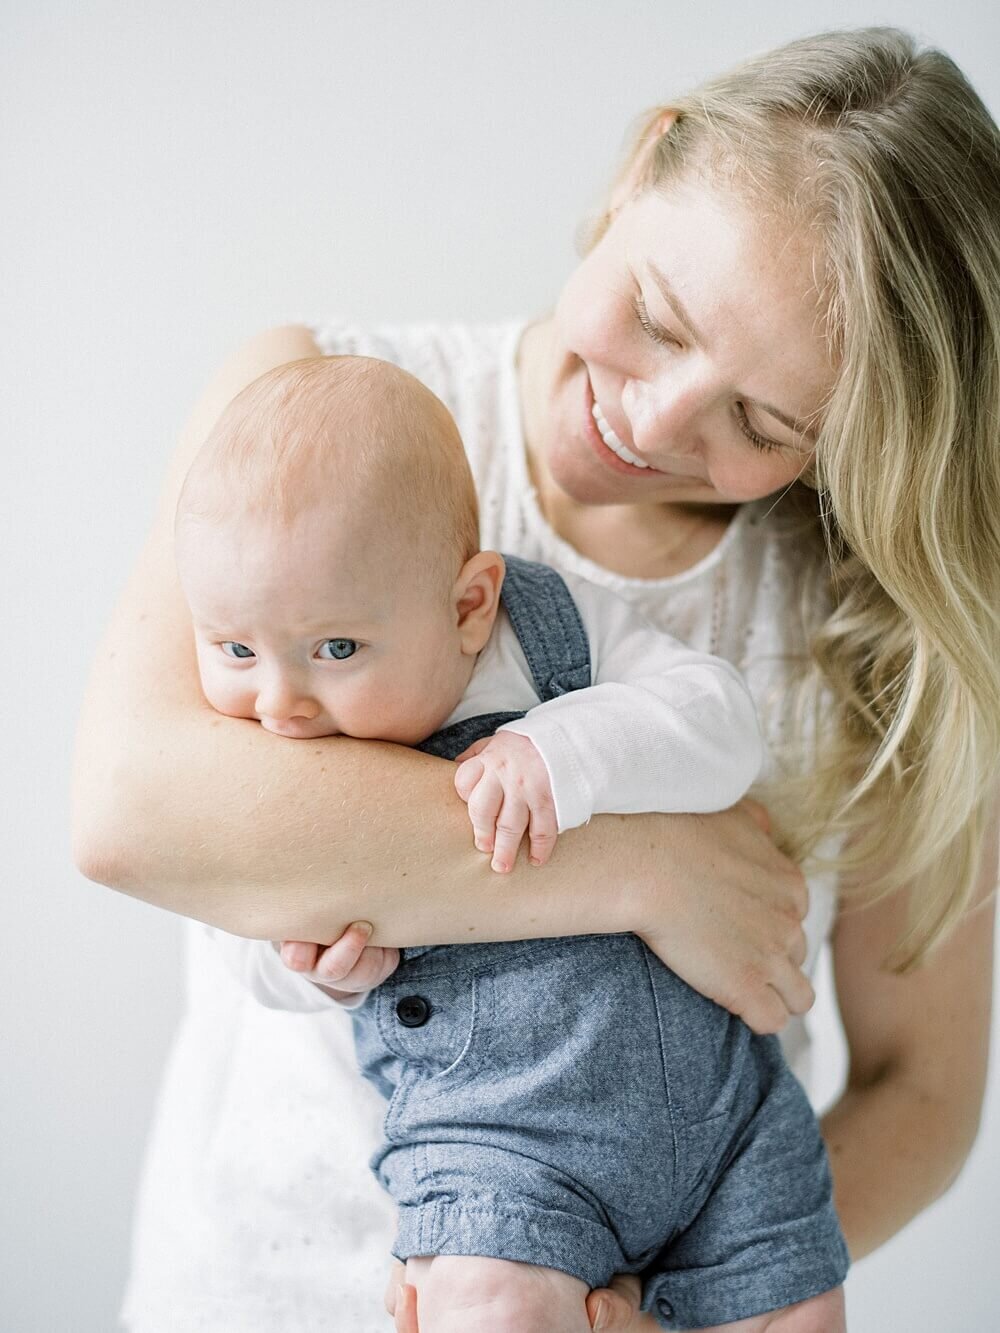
x=327, y=544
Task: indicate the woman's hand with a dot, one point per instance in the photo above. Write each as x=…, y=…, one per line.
x=728, y=918
x=613, y=1309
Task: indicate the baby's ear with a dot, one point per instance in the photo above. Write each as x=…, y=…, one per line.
x=477, y=598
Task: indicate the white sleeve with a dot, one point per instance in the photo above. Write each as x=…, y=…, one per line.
x=662, y=727
x=258, y=969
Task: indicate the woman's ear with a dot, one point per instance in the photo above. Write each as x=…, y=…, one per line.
x=476, y=597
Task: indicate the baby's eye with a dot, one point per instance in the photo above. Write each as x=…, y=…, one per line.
x=338, y=649
x=239, y=650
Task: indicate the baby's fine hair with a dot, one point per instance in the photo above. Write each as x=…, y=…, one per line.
x=884, y=153
x=342, y=431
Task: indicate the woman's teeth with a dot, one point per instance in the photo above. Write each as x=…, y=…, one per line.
x=612, y=440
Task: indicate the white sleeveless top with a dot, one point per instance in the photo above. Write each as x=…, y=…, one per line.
x=257, y=1212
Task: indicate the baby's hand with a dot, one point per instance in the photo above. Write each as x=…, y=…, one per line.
x=345, y=968
x=504, y=782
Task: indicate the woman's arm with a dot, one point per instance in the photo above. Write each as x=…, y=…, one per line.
x=918, y=1049
x=217, y=819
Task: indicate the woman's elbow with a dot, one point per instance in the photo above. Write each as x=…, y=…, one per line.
x=105, y=848
x=114, y=829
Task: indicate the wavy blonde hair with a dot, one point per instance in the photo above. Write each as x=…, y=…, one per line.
x=888, y=153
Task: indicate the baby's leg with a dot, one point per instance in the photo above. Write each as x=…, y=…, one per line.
x=469, y=1294
x=819, y=1314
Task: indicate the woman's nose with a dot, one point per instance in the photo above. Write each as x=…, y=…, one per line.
x=663, y=415
x=282, y=698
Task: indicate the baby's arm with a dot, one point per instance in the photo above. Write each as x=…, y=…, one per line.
x=662, y=728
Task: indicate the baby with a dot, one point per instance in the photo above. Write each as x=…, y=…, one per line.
x=559, y=1109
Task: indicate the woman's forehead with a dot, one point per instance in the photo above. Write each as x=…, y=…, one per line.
x=745, y=282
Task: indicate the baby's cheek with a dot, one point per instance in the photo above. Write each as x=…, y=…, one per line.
x=392, y=709
x=228, y=696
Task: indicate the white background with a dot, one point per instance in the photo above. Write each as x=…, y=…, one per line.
x=173, y=178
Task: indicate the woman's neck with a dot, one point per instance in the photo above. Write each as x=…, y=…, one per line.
x=638, y=541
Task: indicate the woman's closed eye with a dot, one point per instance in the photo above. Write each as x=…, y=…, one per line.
x=665, y=338
x=337, y=649
x=655, y=331
x=760, y=442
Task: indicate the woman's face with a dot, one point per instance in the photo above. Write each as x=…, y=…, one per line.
x=686, y=362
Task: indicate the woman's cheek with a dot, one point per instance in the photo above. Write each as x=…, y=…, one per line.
x=749, y=475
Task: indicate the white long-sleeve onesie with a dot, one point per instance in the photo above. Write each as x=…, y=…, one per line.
x=661, y=728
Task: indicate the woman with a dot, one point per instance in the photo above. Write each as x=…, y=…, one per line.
x=765, y=410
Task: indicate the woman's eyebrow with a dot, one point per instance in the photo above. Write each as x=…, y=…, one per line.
x=684, y=319
x=676, y=304
x=796, y=427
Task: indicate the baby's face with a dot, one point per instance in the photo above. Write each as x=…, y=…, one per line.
x=320, y=631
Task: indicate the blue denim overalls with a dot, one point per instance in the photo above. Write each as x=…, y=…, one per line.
x=572, y=1103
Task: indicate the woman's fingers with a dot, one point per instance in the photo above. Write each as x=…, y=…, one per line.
x=728, y=916
x=406, y=1310
x=615, y=1307
x=397, y=1276
x=795, y=991
x=758, y=813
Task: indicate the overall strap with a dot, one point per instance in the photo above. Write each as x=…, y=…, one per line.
x=548, y=627
x=554, y=643
x=552, y=637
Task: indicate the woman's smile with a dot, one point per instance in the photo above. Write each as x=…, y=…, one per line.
x=606, y=444
x=611, y=439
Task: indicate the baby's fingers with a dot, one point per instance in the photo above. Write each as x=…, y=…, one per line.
x=467, y=775
x=543, y=830
x=372, y=968
x=298, y=955
x=473, y=749
x=341, y=956
x=512, y=821
x=484, y=807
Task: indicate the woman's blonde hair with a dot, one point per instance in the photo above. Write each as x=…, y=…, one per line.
x=886, y=151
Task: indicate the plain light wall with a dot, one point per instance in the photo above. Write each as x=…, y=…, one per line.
x=176, y=176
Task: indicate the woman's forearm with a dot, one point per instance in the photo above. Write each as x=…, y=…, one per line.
x=219, y=820
x=918, y=1048
x=894, y=1148
x=215, y=818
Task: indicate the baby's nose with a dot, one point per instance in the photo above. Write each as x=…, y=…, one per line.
x=281, y=699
